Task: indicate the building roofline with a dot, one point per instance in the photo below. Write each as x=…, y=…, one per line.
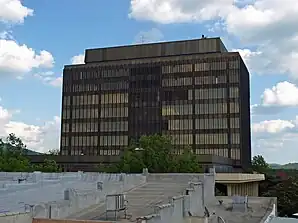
x=155, y=43
x=68, y=66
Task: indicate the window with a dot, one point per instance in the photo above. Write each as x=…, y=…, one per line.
x=66, y=114
x=66, y=100
x=85, y=100
x=211, y=93
x=202, y=67
x=85, y=113
x=216, y=138
x=179, y=68
x=183, y=81
x=214, y=151
x=218, y=65
x=176, y=95
x=113, y=140
x=115, y=72
x=235, y=138
x=235, y=123
x=114, y=112
x=65, y=127
x=113, y=152
x=202, y=80
x=114, y=85
x=114, y=126
x=180, y=124
x=215, y=108
x=114, y=98
x=85, y=87
x=235, y=154
x=234, y=77
x=234, y=107
x=85, y=127
x=168, y=110
x=216, y=123
x=64, y=141
x=234, y=92
x=234, y=64
x=183, y=139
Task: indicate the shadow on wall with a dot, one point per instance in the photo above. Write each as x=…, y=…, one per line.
x=221, y=189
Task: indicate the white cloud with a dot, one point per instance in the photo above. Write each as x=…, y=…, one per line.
x=18, y=59
x=272, y=126
x=49, y=78
x=267, y=25
x=57, y=82
x=152, y=35
x=171, y=11
x=14, y=11
x=276, y=99
x=282, y=94
x=37, y=137
x=271, y=137
x=78, y=59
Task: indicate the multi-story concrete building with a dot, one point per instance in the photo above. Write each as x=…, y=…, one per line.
x=195, y=91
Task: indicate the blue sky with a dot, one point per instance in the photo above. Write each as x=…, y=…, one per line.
x=37, y=38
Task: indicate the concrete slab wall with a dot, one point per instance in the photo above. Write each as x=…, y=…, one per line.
x=208, y=180
x=179, y=207
x=16, y=218
x=40, y=220
x=270, y=215
x=60, y=195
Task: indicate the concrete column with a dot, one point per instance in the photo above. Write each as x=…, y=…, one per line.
x=243, y=189
x=37, y=176
x=199, y=198
x=209, y=187
x=196, y=199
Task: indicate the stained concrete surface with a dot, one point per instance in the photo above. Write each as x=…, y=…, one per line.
x=143, y=196
x=258, y=207
x=160, y=188
x=141, y=200
x=44, y=194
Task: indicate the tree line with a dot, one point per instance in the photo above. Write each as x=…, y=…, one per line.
x=280, y=183
x=13, y=157
x=155, y=152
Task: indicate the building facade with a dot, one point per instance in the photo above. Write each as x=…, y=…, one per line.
x=195, y=91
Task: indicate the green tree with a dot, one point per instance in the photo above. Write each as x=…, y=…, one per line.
x=155, y=152
x=186, y=163
x=48, y=166
x=13, y=157
x=286, y=192
x=259, y=164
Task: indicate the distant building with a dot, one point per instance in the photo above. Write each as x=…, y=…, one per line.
x=194, y=90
